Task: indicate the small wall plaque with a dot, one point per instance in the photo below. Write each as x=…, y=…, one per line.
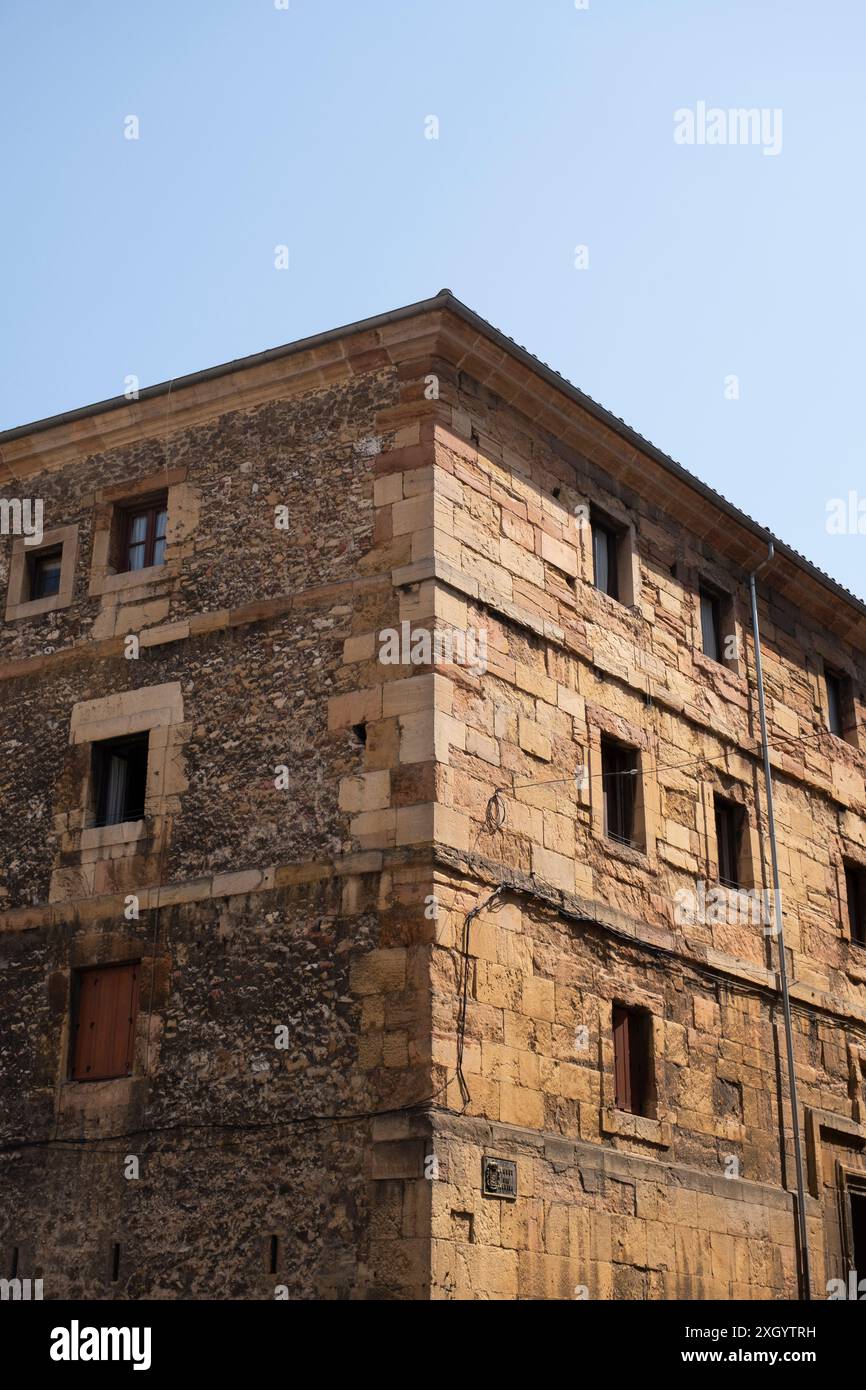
x=499, y=1178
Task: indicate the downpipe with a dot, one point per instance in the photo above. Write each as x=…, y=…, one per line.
x=803, y=1273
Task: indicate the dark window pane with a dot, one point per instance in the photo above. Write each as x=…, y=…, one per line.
x=120, y=779
x=855, y=890
x=619, y=777
x=728, y=833
x=710, y=625
x=858, y=1229
x=834, y=703
x=45, y=574
x=143, y=536
x=604, y=559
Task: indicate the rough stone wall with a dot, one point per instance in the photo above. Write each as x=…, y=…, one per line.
x=309, y=454
x=259, y=906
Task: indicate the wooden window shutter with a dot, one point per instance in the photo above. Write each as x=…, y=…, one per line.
x=105, y=1022
x=622, y=1060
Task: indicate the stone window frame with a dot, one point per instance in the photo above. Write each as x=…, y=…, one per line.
x=857, y=1082
x=616, y=517
x=601, y=723
x=849, y=1179
x=93, y=722
x=725, y=597
x=820, y=656
x=89, y=1106
x=18, y=605
x=653, y=1129
x=76, y=1009
x=110, y=502
x=696, y=574
x=751, y=859
x=157, y=710
x=852, y=727
x=855, y=858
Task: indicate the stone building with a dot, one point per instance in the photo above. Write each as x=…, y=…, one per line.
x=385, y=846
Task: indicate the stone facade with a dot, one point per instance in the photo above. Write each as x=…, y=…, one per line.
x=337, y=850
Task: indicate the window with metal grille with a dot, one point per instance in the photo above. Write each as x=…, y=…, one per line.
x=730, y=819
x=119, y=779
x=605, y=556
x=619, y=770
x=633, y=1064
x=44, y=573
x=855, y=892
x=142, y=534
x=105, y=1005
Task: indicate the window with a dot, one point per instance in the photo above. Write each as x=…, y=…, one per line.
x=853, y=1212
x=142, y=534
x=42, y=578
x=105, y=1004
x=841, y=710
x=119, y=779
x=718, y=625
x=837, y=700
x=857, y=1198
x=730, y=819
x=44, y=572
x=711, y=624
x=619, y=771
x=139, y=526
x=632, y=1051
x=855, y=892
x=605, y=557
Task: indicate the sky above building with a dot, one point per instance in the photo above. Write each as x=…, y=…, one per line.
x=663, y=201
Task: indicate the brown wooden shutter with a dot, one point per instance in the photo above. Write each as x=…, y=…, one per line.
x=105, y=1022
x=621, y=1059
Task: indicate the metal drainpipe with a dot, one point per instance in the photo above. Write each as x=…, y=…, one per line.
x=804, y=1279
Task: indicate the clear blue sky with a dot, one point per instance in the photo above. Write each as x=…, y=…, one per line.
x=306, y=127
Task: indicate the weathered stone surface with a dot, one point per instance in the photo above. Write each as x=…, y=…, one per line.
x=319, y=822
